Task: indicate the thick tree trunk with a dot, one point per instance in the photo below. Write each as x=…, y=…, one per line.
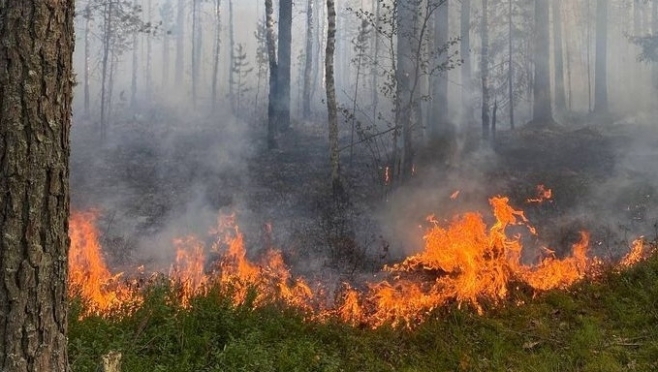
x=600, y=72
x=542, y=112
x=274, y=68
x=180, y=44
x=308, y=66
x=439, y=120
x=484, y=69
x=332, y=110
x=36, y=82
x=283, y=82
x=560, y=98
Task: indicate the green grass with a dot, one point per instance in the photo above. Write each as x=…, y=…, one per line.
x=611, y=325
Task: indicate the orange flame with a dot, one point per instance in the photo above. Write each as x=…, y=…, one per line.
x=465, y=262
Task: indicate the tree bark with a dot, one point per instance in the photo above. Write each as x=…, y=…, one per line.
x=542, y=112
x=405, y=70
x=465, y=53
x=600, y=68
x=87, y=57
x=231, y=53
x=510, y=64
x=484, y=68
x=36, y=82
x=180, y=43
x=215, y=67
x=274, y=68
x=308, y=66
x=560, y=97
x=334, y=156
x=439, y=120
x=284, y=62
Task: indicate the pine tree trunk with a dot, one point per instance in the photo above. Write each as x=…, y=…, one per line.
x=484, y=68
x=135, y=66
x=375, y=65
x=510, y=64
x=149, y=53
x=36, y=83
x=231, y=52
x=283, y=75
x=180, y=44
x=107, y=40
x=195, y=62
x=560, y=98
x=439, y=120
x=215, y=67
x=541, y=108
x=271, y=53
x=165, y=59
x=406, y=69
x=465, y=54
x=600, y=72
x=308, y=66
x=332, y=113
x=87, y=57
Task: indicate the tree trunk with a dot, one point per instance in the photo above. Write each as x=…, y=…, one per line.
x=542, y=112
x=107, y=40
x=560, y=98
x=36, y=83
x=195, y=62
x=149, y=52
x=484, y=68
x=465, y=54
x=510, y=65
x=271, y=52
x=165, y=58
x=180, y=44
x=600, y=72
x=231, y=52
x=334, y=156
x=283, y=82
x=406, y=60
x=135, y=66
x=439, y=120
x=308, y=66
x=87, y=56
x=215, y=67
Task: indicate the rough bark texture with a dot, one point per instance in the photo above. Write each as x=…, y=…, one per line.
x=600, y=72
x=542, y=112
x=36, y=81
x=331, y=98
x=283, y=74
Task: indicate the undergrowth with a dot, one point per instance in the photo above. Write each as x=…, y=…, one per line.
x=608, y=325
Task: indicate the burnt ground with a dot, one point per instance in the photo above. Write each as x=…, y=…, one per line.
x=156, y=178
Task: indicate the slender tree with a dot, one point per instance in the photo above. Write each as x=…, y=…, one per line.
x=274, y=68
x=560, y=97
x=218, y=36
x=166, y=15
x=36, y=83
x=284, y=62
x=334, y=155
x=308, y=63
x=484, y=68
x=541, y=109
x=180, y=43
x=465, y=53
x=440, y=80
x=600, y=68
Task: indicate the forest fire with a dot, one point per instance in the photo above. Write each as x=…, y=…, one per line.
x=466, y=262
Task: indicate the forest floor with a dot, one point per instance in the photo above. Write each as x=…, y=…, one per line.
x=154, y=180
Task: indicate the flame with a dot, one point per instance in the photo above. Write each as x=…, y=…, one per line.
x=387, y=175
x=454, y=195
x=89, y=277
x=464, y=261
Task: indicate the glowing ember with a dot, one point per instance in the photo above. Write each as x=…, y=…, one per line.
x=465, y=262
x=454, y=195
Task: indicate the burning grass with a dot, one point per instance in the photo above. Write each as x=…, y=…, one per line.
x=465, y=262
